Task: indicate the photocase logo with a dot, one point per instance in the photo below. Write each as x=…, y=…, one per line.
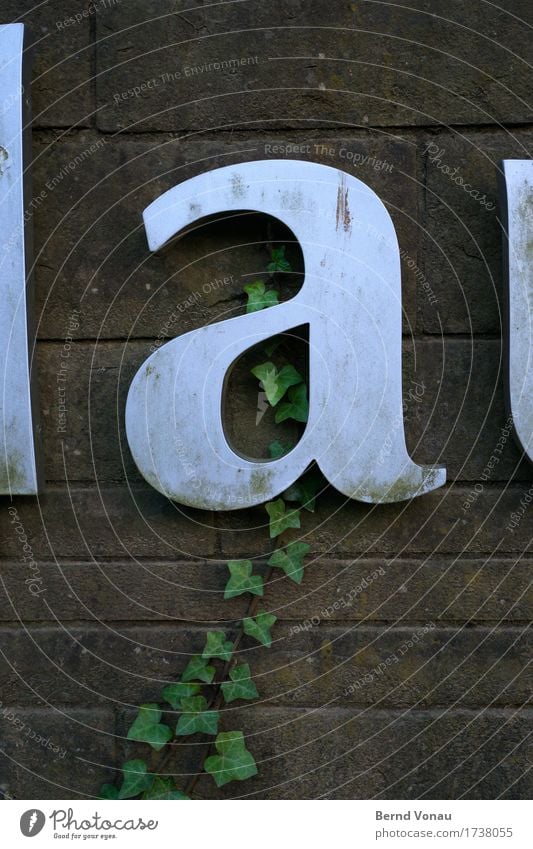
x=32, y=822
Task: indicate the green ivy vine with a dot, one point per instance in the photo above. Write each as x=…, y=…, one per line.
x=215, y=677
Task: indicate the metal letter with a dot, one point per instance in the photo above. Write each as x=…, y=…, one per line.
x=517, y=207
x=351, y=299
x=18, y=470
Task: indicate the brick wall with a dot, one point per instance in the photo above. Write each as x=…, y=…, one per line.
x=428, y=92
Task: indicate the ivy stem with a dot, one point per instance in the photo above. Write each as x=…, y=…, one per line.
x=216, y=699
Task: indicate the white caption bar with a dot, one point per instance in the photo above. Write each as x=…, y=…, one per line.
x=231, y=825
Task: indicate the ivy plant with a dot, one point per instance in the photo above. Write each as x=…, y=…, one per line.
x=191, y=706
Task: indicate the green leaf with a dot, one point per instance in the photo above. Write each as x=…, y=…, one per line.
x=305, y=490
x=163, y=788
x=217, y=646
x=137, y=779
x=148, y=729
x=234, y=762
x=108, y=791
x=242, y=580
x=291, y=560
x=259, y=298
x=280, y=518
x=198, y=669
x=174, y=693
x=275, y=383
x=297, y=407
x=278, y=261
x=259, y=628
x=196, y=718
x=276, y=449
x=241, y=685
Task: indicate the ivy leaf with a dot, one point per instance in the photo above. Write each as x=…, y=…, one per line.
x=297, y=407
x=147, y=727
x=259, y=298
x=291, y=560
x=241, y=685
x=196, y=718
x=278, y=261
x=163, y=788
x=275, y=383
x=174, y=693
x=305, y=490
x=108, y=791
x=217, y=646
x=198, y=669
x=137, y=779
x=259, y=628
x=276, y=449
x=280, y=518
x=234, y=762
x=242, y=580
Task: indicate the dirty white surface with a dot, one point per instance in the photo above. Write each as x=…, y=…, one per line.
x=351, y=299
x=18, y=474
x=518, y=175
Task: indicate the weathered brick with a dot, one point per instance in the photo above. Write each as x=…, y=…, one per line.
x=455, y=411
x=309, y=754
x=83, y=391
x=461, y=239
x=94, y=665
x=435, y=524
x=369, y=754
x=112, y=522
x=413, y=666
x=59, y=754
x=433, y=62
x=91, y=522
x=61, y=56
x=94, y=272
x=398, y=591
